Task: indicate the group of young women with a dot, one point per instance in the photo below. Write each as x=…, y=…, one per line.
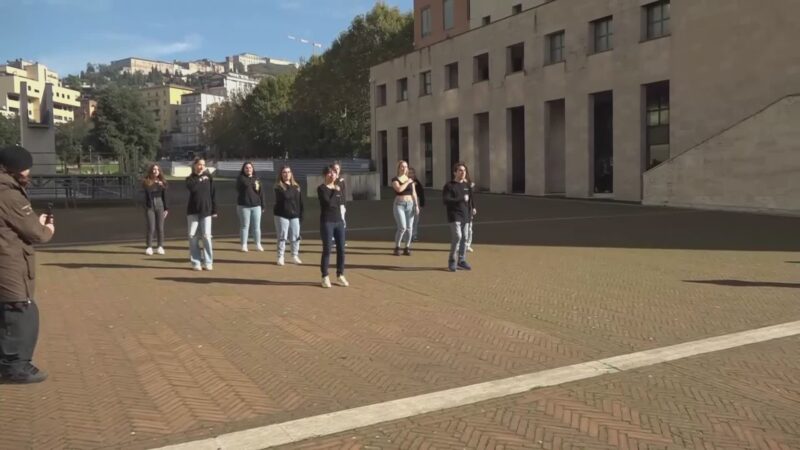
x=288, y=213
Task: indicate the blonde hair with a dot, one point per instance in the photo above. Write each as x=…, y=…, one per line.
x=279, y=180
x=399, y=164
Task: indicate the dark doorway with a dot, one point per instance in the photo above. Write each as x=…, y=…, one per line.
x=402, y=140
x=656, y=120
x=426, y=130
x=603, y=148
x=516, y=132
x=555, y=147
x=383, y=144
x=482, y=171
x=454, y=152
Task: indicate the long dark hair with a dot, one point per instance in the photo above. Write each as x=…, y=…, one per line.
x=241, y=172
x=149, y=179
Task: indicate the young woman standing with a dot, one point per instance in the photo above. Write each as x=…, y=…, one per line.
x=456, y=195
x=202, y=207
x=250, y=203
x=156, y=210
x=288, y=214
x=331, y=226
x=405, y=207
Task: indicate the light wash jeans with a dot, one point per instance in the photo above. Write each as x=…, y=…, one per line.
x=458, y=245
x=468, y=231
x=249, y=218
x=203, y=225
x=415, y=228
x=287, y=228
x=404, y=217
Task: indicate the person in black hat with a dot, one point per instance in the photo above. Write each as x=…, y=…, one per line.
x=20, y=228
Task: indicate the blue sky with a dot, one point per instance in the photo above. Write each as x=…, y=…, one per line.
x=66, y=34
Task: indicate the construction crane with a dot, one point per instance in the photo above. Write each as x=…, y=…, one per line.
x=314, y=45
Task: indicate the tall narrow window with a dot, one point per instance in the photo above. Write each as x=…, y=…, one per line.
x=481, y=63
x=449, y=14
x=657, y=123
x=402, y=89
x=427, y=145
x=515, y=58
x=451, y=76
x=425, y=21
x=425, y=87
x=555, y=47
x=657, y=19
x=380, y=95
x=601, y=35
x=402, y=141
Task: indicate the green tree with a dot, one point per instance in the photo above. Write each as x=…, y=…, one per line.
x=336, y=86
x=72, y=140
x=265, y=113
x=9, y=131
x=125, y=128
x=223, y=130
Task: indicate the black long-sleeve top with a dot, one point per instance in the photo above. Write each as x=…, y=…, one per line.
x=251, y=192
x=330, y=201
x=289, y=202
x=153, y=192
x=420, y=192
x=343, y=187
x=459, y=206
x=202, y=195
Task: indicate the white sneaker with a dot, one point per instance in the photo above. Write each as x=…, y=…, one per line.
x=280, y=260
x=244, y=248
x=326, y=282
x=209, y=267
x=259, y=248
x=343, y=281
x=197, y=268
x=469, y=249
x=297, y=259
x=160, y=250
x=148, y=251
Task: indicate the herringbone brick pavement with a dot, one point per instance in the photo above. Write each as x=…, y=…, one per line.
x=745, y=398
x=144, y=352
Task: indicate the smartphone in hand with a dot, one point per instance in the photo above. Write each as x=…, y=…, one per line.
x=49, y=213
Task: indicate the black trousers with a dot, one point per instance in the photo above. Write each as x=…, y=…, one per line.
x=19, y=331
x=327, y=231
x=155, y=223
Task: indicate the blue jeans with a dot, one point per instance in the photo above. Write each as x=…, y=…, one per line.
x=415, y=227
x=249, y=218
x=458, y=238
x=327, y=231
x=287, y=228
x=203, y=225
x=404, y=217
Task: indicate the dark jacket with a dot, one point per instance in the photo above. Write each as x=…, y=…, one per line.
x=153, y=192
x=330, y=201
x=420, y=192
x=251, y=192
x=19, y=230
x=288, y=202
x=202, y=196
x=343, y=187
x=458, y=209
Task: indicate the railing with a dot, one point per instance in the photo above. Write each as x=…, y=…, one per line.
x=73, y=188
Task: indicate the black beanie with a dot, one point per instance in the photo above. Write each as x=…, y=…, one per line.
x=16, y=159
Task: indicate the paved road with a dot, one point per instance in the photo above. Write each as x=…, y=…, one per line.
x=144, y=352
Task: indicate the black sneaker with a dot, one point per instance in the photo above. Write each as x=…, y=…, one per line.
x=396, y=251
x=464, y=265
x=27, y=375
x=407, y=251
x=451, y=266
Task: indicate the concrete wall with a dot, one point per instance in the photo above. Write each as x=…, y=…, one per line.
x=438, y=33
x=753, y=166
x=496, y=9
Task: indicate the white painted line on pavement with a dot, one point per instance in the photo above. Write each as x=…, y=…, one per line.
x=351, y=419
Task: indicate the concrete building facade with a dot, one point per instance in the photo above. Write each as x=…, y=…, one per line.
x=143, y=65
x=229, y=85
x=583, y=98
x=437, y=20
x=192, y=112
x=164, y=101
x=35, y=76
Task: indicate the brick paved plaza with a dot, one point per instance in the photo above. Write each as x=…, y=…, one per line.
x=143, y=352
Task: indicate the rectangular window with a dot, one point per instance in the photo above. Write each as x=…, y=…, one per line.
x=402, y=89
x=515, y=58
x=380, y=95
x=451, y=76
x=486, y=20
x=425, y=17
x=516, y=9
x=481, y=67
x=427, y=145
x=555, y=47
x=425, y=87
x=601, y=35
x=656, y=123
x=657, y=19
x=449, y=14
x=402, y=141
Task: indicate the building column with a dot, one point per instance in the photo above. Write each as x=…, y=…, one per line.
x=578, y=160
x=628, y=142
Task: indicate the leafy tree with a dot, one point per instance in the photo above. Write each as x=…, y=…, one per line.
x=9, y=131
x=223, y=130
x=72, y=140
x=265, y=115
x=124, y=127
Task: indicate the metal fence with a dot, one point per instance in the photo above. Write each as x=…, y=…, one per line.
x=73, y=188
